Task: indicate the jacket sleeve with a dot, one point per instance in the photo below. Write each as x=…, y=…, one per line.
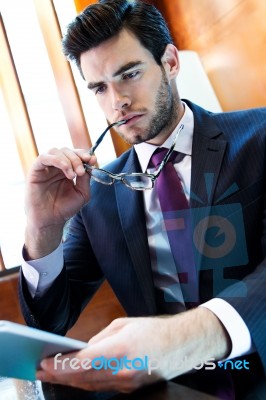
x=60, y=306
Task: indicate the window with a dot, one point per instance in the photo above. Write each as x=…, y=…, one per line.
x=44, y=103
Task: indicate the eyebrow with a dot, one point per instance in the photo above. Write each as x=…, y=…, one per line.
x=121, y=70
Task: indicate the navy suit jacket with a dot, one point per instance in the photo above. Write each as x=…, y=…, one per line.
x=107, y=239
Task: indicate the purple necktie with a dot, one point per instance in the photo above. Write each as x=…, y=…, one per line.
x=177, y=221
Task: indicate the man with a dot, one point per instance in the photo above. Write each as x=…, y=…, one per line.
x=125, y=54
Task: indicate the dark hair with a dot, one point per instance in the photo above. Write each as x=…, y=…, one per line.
x=105, y=19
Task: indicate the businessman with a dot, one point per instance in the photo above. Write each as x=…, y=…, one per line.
x=176, y=224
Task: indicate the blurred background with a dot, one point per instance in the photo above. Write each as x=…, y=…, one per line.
x=44, y=102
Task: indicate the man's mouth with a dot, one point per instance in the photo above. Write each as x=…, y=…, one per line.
x=129, y=119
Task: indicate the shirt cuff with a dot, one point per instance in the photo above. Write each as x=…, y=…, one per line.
x=235, y=326
x=41, y=273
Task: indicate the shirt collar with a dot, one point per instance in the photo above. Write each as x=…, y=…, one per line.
x=183, y=145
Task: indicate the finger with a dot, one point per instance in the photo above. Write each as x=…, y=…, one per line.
x=114, y=327
x=86, y=156
x=76, y=158
x=69, y=161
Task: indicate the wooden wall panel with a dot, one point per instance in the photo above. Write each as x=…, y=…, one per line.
x=230, y=38
x=81, y=4
x=190, y=19
x=9, y=304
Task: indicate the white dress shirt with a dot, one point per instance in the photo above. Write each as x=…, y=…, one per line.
x=40, y=273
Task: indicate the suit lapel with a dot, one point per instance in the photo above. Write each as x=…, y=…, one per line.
x=208, y=151
x=133, y=222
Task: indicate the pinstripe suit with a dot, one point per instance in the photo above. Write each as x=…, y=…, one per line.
x=108, y=238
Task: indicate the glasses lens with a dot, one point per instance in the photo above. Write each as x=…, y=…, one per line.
x=101, y=176
x=138, y=181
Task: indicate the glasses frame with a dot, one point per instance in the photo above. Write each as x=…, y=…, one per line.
x=121, y=177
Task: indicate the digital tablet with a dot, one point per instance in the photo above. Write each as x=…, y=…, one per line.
x=22, y=348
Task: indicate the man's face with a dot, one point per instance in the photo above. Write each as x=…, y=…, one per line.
x=129, y=84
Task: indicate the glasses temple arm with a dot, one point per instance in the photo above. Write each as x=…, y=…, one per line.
x=99, y=140
x=168, y=154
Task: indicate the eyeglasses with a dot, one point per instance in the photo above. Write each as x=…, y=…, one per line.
x=134, y=180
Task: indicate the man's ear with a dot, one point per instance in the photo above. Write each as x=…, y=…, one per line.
x=170, y=61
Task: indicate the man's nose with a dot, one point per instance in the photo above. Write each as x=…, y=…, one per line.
x=120, y=100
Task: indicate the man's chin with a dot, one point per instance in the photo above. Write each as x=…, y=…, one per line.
x=133, y=139
x=136, y=137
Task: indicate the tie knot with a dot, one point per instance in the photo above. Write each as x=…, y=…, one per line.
x=159, y=155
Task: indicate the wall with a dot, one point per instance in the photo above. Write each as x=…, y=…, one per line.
x=230, y=38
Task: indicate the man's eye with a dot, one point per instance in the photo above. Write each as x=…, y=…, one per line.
x=100, y=90
x=131, y=75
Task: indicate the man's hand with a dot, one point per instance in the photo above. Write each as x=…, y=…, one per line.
x=195, y=336
x=57, y=187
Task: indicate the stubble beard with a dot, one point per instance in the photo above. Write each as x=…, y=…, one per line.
x=165, y=115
